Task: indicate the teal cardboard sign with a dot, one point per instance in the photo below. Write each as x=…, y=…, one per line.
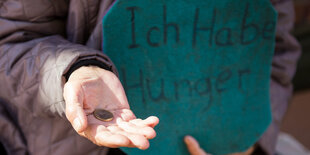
x=201, y=66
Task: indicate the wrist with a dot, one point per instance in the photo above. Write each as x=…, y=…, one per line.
x=85, y=72
x=86, y=63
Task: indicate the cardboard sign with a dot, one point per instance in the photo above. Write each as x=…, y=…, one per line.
x=201, y=66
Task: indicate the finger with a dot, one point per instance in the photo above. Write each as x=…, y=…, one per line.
x=101, y=136
x=116, y=130
x=151, y=121
x=73, y=96
x=193, y=146
x=146, y=131
x=127, y=115
x=136, y=140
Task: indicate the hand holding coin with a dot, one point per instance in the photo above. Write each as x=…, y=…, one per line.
x=97, y=108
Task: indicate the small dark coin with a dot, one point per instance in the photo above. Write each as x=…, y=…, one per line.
x=103, y=115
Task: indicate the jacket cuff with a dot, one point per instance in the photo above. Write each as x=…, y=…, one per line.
x=89, y=62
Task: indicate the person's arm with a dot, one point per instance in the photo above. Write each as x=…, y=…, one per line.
x=35, y=70
x=284, y=62
x=35, y=61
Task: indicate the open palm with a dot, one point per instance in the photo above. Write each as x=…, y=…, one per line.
x=90, y=88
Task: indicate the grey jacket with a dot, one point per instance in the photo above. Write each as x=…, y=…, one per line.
x=40, y=40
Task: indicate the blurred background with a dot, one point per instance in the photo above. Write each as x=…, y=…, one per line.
x=297, y=119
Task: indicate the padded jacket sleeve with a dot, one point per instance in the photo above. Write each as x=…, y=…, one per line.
x=35, y=56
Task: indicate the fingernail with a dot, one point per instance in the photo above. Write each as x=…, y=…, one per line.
x=188, y=139
x=77, y=124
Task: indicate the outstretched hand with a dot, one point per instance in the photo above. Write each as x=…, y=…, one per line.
x=90, y=88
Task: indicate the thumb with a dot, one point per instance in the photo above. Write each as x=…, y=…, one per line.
x=193, y=146
x=74, y=96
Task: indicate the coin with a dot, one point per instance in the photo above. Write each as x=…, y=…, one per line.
x=103, y=115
